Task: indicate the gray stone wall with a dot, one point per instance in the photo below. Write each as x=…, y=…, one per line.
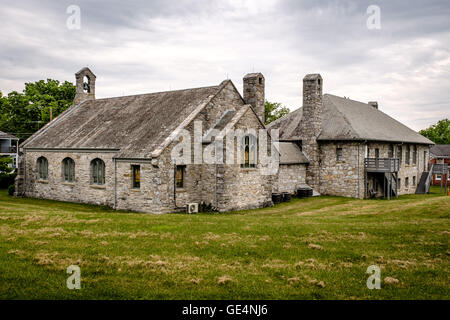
x=290, y=177
x=81, y=190
x=346, y=177
x=342, y=178
x=244, y=188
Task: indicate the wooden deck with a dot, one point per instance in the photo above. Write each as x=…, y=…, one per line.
x=381, y=164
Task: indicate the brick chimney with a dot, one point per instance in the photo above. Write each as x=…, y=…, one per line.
x=85, y=85
x=254, y=92
x=311, y=126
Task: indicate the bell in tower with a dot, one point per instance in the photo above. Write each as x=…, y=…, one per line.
x=85, y=85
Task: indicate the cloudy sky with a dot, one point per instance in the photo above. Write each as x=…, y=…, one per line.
x=146, y=46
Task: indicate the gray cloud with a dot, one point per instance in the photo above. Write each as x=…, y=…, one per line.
x=144, y=46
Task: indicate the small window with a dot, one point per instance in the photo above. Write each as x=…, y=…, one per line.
x=136, y=173
x=414, y=180
x=339, y=156
x=407, y=154
x=260, y=80
x=391, y=151
x=42, y=166
x=415, y=155
x=180, y=176
x=438, y=177
x=406, y=182
x=399, y=183
x=68, y=170
x=97, y=171
x=377, y=153
x=400, y=154
x=249, y=150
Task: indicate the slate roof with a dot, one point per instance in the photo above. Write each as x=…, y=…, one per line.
x=136, y=125
x=345, y=119
x=440, y=150
x=4, y=135
x=290, y=153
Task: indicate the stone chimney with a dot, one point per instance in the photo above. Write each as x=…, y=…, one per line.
x=254, y=92
x=373, y=104
x=85, y=85
x=311, y=126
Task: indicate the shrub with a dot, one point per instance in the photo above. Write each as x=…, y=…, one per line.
x=6, y=180
x=11, y=190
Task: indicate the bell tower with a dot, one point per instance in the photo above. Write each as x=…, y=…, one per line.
x=85, y=85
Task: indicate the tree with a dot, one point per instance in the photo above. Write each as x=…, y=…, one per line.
x=4, y=165
x=439, y=133
x=24, y=113
x=274, y=111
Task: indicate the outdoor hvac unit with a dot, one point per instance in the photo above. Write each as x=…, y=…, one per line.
x=192, y=208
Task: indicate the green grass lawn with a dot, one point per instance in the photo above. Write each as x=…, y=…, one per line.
x=317, y=248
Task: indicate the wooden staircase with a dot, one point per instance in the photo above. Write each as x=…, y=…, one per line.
x=425, y=181
x=390, y=180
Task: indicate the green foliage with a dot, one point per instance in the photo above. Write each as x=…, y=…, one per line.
x=24, y=113
x=274, y=111
x=4, y=165
x=439, y=133
x=11, y=190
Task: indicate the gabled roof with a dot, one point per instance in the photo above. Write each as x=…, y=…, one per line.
x=440, y=151
x=135, y=125
x=345, y=119
x=4, y=135
x=290, y=153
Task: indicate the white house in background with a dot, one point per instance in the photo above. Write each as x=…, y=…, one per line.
x=9, y=147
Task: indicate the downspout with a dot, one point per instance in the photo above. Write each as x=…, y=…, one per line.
x=24, y=171
x=115, y=183
x=358, y=171
x=175, y=185
x=17, y=154
x=215, y=185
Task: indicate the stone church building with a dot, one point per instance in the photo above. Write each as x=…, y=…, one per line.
x=118, y=151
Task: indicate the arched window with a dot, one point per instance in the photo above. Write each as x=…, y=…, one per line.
x=97, y=171
x=42, y=168
x=68, y=170
x=249, y=149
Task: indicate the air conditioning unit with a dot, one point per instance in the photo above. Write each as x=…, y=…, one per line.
x=192, y=208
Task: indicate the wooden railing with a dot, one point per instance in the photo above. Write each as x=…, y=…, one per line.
x=440, y=168
x=381, y=164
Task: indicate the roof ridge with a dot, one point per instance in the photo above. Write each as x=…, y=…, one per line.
x=158, y=92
